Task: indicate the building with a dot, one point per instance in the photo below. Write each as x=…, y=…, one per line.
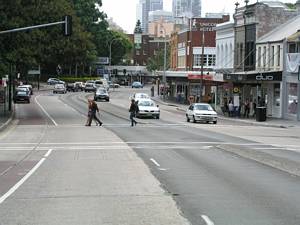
x=143, y=9
x=157, y=15
x=161, y=28
x=190, y=42
x=224, y=58
x=146, y=48
x=190, y=8
x=248, y=82
x=277, y=65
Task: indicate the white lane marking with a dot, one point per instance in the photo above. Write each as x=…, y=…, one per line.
x=17, y=185
x=271, y=148
x=207, y=220
x=154, y=161
x=48, y=153
x=47, y=114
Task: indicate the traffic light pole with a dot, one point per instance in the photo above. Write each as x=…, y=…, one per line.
x=67, y=28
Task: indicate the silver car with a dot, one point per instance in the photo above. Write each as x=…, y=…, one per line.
x=201, y=112
x=147, y=108
x=59, y=88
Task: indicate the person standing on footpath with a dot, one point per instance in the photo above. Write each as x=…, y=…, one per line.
x=94, y=110
x=132, y=111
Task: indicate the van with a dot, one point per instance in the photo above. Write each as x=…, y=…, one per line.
x=102, y=83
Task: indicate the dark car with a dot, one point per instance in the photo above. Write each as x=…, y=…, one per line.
x=101, y=94
x=22, y=95
x=136, y=84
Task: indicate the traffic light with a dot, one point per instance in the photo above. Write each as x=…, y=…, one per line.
x=124, y=71
x=67, y=25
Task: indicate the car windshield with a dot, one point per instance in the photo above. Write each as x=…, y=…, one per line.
x=22, y=93
x=146, y=103
x=142, y=96
x=204, y=107
x=101, y=91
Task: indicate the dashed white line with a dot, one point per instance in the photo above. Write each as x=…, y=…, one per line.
x=154, y=161
x=17, y=185
x=207, y=220
x=47, y=114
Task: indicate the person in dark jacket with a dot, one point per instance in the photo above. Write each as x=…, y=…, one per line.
x=132, y=111
x=94, y=110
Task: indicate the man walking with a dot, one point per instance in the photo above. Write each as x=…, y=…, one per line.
x=94, y=110
x=132, y=111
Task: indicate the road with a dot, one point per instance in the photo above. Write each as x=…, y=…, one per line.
x=54, y=170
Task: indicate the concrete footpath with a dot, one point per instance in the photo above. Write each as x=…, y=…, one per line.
x=270, y=122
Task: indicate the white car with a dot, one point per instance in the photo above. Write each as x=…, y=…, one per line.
x=140, y=96
x=201, y=112
x=27, y=86
x=147, y=108
x=59, y=88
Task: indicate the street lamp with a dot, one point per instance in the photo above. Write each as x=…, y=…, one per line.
x=165, y=63
x=110, y=44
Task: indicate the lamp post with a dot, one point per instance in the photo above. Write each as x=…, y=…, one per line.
x=110, y=44
x=202, y=65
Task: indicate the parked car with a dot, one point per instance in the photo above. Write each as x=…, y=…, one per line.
x=201, y=112
x=114, y=85
x=147, y=108
x=101, y=94
x=53, y=81
x=137, y=84
x=27, y=86
x=90, y=87
x=59, y=88
x=21, y=95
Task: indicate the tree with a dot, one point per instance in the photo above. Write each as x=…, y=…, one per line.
x=290, y=5
x=138, y=28
x=157, y=62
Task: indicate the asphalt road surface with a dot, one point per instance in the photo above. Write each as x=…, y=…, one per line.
x=54, y=170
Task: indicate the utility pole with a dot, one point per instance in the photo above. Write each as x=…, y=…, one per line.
x=165, y=65
x=110, y=44
x=202, y=64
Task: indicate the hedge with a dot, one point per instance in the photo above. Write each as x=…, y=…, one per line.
x=77, y=79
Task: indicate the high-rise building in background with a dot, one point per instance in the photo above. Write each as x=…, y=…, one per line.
x=143, y=9
x=187, y=8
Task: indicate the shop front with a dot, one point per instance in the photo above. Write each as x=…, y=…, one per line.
x=259, y=89
x=291, y=98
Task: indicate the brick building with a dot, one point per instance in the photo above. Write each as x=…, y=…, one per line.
x=189, y=44
x=146, y=48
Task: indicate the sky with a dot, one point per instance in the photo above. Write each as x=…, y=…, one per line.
x=123, y=12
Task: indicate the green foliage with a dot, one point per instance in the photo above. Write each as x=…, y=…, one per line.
x=138, y=28
x=157, y=62
x=77, y=79
x=48, y=47
x=290, y=5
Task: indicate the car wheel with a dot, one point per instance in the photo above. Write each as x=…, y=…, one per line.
x=107, y=100
x=215, y=122
x=157, y=117
x=194, y=120
x=28, y=101
x=187, y=118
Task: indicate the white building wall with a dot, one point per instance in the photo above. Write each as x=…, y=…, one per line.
x=225, y=43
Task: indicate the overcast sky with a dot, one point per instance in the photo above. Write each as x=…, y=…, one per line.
x=123, y=12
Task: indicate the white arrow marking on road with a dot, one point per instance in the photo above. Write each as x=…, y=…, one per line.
x=207, y=220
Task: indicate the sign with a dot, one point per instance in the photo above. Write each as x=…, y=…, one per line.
x=199, y=77
x=103, y=60
x=258, y=77
x=137, y=41
x=34, y=72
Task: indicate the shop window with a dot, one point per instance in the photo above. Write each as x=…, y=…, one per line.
x=259, y=57
x=211, y=60
x=137, y=52
x=292, y=98
x=272, y=56
x=278, y=55
x=292, y=48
